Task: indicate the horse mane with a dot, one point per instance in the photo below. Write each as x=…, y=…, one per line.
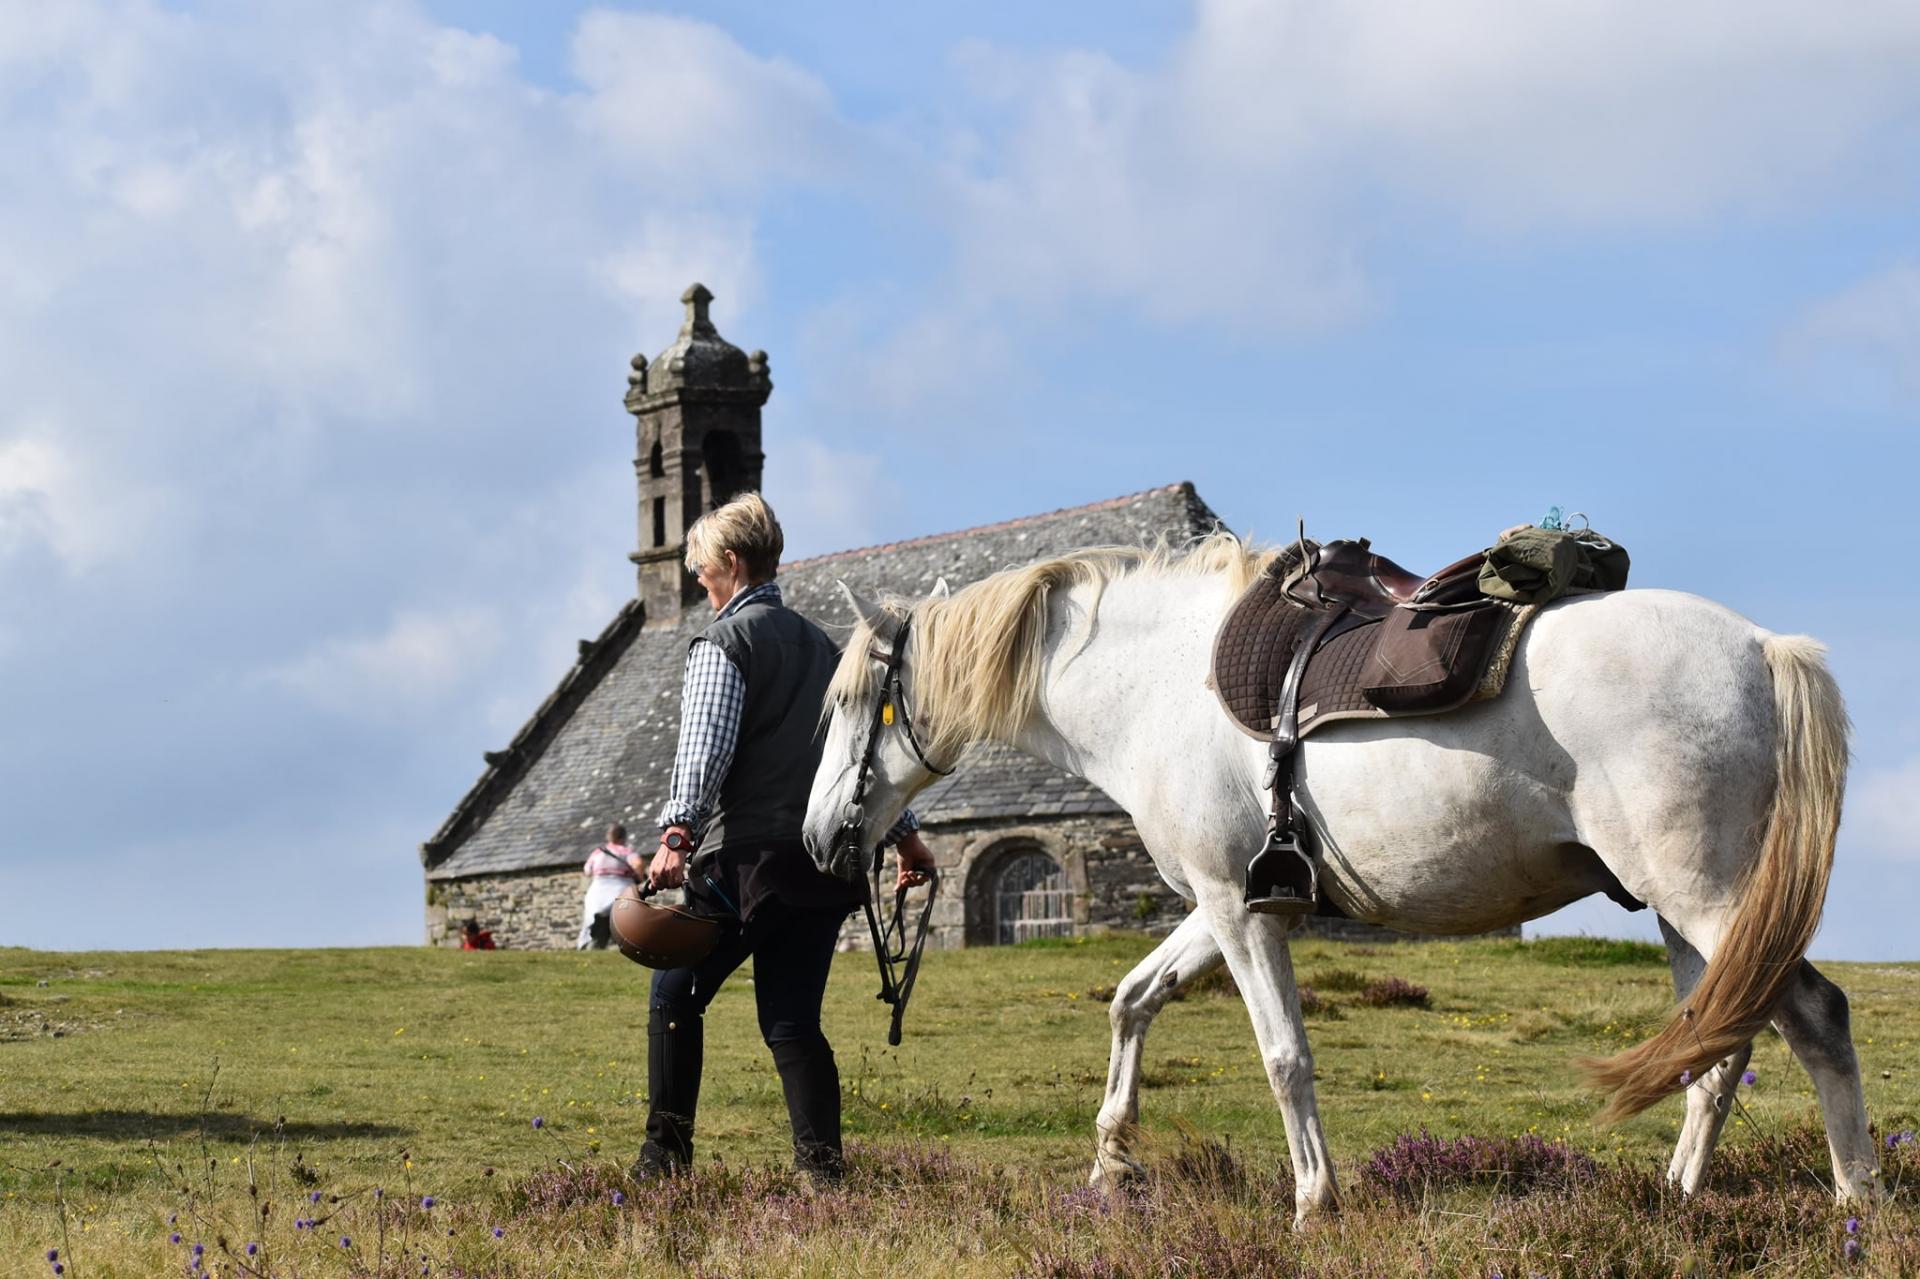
x=977, y=652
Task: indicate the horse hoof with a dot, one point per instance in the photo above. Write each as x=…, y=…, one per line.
x=1112, y=1173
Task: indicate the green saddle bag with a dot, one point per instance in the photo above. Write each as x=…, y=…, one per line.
x=1534, y=565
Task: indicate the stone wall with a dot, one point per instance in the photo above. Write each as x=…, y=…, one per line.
x=524, y=910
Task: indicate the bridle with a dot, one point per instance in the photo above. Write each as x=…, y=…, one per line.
x=847, y=858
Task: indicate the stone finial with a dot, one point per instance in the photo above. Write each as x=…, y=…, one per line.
x=697, y=297
x=638, y=376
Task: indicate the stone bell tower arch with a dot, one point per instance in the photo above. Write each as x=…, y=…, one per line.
x=697, y=413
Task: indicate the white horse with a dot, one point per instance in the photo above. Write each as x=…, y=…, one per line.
x=1648, y=737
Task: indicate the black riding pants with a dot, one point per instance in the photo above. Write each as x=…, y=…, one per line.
x=792, y=952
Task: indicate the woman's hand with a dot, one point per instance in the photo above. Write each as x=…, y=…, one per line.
x=916, y=861
x=668, y=869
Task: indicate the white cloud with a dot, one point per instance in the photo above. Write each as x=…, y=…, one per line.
x=49, y=497
x=686, y=105
x=1883, y=810
x=1251, y=176
x=1875, y=321
x=420, y=658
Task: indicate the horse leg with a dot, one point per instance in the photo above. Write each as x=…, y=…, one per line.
x=1711, y=1097
x=1187, y=953
x=1814, y=1021
x=1255, y=947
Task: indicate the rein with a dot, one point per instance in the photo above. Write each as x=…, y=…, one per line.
x=899, y=963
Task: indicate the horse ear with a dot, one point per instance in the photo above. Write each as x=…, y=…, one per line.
x=863, y=608
x=940, y=590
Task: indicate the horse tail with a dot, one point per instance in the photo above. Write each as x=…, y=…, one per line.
x=1779, y=905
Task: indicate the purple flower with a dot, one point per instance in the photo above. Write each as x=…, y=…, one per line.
x=345, y=1242
x=538, y=1122
x=1853, y=1225
x=619, y=1200
x=427, y=1202
x=1852, y=1250
x=379, y=1193
x=174, y=1220
x=1686, y=1078
x=253, y=1250
x=59, y=1269
x=314, y=1198
x=199, y=1248
x=498, y=1233
x=53, y=1254
x=1749, y=1078
x=174, y=1237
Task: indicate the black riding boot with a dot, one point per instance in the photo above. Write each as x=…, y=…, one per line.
x=674, y=1052
x=811, y=1082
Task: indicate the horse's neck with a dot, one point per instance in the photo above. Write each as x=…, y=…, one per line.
x=1121, y=700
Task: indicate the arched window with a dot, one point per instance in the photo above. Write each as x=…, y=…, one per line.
x=1031, y=899
x=721, y=451
x=656, y=462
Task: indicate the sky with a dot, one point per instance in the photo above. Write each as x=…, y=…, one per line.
x=315, y=321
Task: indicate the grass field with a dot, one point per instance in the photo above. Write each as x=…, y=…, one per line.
x=227, y=1089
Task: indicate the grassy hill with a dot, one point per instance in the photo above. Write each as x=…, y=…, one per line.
x=214, y=1085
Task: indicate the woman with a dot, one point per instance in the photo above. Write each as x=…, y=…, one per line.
x=609, y=869
x=750, y=739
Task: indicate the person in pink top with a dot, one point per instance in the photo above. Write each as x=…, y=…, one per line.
x=609, y=869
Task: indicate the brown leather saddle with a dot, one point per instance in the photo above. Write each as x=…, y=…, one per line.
x=1335, y=631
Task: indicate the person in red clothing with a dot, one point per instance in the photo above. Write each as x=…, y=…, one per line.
x=474, y=937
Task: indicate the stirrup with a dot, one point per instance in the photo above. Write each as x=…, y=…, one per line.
x=1282, y=878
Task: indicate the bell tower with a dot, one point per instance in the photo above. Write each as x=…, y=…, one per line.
x=697, y=413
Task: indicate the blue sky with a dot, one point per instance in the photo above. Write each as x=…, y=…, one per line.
x=314, y=321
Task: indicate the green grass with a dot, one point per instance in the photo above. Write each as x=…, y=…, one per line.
x=177, y=1080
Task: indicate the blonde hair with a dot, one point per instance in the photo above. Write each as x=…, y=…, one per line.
x=746, y=526
x=977, y=652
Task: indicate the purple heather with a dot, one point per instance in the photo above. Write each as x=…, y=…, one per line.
x=498, y=1232
x=427, y=1202
x=1750, y=1078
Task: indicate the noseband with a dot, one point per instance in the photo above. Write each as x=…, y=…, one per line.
x=847, y=859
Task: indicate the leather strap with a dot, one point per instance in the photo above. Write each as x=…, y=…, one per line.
x=1286, y=720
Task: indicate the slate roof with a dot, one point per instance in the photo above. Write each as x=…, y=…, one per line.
x=600, y=748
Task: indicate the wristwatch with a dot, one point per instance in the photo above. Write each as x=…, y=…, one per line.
x=676, y=841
